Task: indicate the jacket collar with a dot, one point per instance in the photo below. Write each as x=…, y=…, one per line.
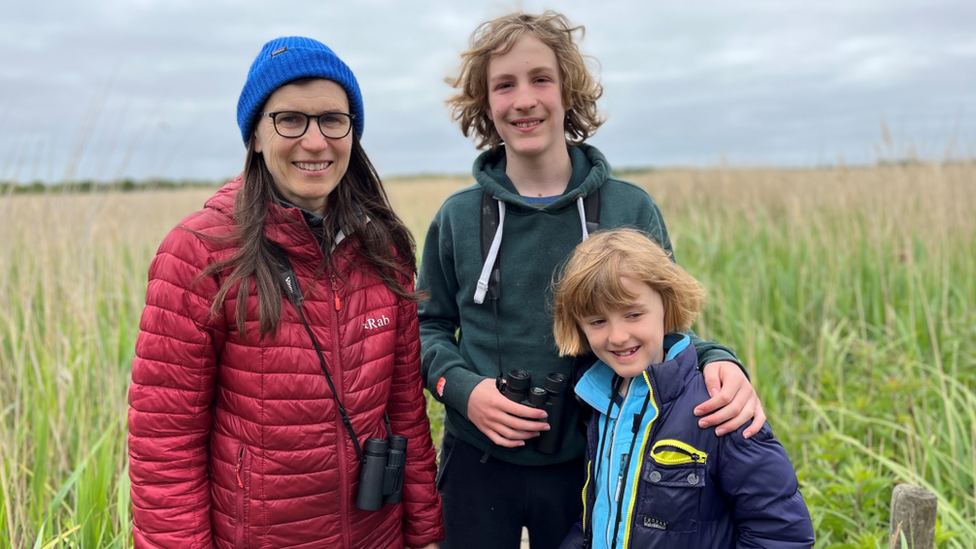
x=668, y=377
x=280, y=225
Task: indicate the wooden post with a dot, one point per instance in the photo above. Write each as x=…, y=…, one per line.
x=912, y=514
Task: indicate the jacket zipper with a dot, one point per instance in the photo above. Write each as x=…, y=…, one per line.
x=239, y=531
x=335, y=292
x=586, y=485
x=340, y=429
x=640, y=460
x=615, y=488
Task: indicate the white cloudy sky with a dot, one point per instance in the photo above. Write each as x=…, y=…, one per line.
x=148, y=88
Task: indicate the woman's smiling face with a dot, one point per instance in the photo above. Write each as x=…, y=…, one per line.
x=305, y=169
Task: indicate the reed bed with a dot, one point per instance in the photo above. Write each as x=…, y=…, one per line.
x=849, y=294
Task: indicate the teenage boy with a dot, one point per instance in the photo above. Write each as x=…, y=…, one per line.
x=488, y=259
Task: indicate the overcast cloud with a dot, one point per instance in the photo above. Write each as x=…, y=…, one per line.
x=146, y=88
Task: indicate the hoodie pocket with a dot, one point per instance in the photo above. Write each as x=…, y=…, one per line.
x=241, y=477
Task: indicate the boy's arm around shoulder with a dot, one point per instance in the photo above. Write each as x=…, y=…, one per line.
x=446, y=374
x=763, y=495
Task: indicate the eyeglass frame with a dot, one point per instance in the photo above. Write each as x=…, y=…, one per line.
x=308, y=120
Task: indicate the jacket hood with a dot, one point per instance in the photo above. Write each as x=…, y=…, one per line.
x=590, y=172
x=286, y=226
x=223, y=200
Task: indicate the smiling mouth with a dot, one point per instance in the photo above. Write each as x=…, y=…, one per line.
x=626, y=352
x=308, y=166
x=526, y=125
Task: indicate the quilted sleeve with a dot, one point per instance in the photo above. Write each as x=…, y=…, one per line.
x=173, y=379
x=759, y=484
x=422, y=520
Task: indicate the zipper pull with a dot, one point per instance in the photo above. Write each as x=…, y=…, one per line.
x=335, y=292
x=240, y=463
x=624, y=463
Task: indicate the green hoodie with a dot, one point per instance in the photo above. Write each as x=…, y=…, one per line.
x=458, y=336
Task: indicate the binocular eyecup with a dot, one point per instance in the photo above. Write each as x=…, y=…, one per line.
x=550, y=397
x=381, y=477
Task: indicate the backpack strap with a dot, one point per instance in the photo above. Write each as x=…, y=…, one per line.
x=490, y=220
x=591, y=209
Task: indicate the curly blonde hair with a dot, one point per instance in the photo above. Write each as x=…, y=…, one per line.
x=580, y=90
x=590, y=284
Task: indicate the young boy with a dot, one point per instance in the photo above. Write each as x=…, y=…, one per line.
x=655, y=479
x=525, y=93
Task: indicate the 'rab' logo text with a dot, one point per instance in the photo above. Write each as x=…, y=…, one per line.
x=376, y=322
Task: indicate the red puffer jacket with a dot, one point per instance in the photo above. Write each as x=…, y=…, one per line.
x=236, y=443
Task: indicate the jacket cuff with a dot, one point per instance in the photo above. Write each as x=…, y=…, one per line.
x=435, y=536
x=455, y=386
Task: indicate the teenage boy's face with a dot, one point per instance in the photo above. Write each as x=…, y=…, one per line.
x=525, y=99
x=632, y=338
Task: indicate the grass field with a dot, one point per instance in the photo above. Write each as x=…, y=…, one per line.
x=849, y=293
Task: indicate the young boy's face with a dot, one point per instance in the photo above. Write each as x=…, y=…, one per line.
x=525, y=99
x=632, y=338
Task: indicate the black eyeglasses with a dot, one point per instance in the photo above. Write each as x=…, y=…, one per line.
x=292, y=124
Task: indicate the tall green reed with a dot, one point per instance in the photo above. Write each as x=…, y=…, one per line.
x=848, y=294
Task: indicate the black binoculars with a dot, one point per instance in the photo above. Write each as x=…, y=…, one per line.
x=381, y=477
x=549, y=397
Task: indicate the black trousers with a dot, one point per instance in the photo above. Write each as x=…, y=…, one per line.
x=487, y=504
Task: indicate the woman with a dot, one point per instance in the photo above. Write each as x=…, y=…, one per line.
x=252, y=396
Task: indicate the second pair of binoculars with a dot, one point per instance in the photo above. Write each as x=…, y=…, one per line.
x=381, y=477
x=549, y=397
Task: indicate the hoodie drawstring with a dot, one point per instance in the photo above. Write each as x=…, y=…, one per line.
x=582, y=214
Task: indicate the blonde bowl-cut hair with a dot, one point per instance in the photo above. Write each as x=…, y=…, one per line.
x=590, y=285
x=580, y=90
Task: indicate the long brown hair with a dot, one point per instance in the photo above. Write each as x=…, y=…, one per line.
x=359, y=205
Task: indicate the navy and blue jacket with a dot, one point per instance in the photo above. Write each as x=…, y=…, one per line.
x=683, y=486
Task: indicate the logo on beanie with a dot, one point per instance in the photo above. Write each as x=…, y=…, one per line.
x=276, y=53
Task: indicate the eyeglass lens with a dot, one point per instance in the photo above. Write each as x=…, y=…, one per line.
x=334, y=125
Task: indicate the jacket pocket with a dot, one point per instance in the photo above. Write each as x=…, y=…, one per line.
x=241, y=476
x=673, y=482
x=675, y=452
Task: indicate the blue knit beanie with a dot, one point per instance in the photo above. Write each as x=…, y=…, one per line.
x=290, y=58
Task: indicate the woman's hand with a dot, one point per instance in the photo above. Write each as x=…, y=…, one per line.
x=733, y=402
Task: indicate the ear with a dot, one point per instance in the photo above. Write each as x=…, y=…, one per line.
x=258, y=145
